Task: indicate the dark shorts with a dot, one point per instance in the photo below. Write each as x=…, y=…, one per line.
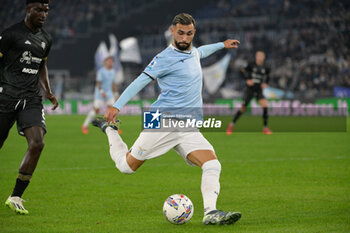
x=27, y=113
x=251, y=93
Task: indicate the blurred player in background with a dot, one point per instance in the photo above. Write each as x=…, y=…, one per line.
x=24, y=48
x=179, y=75
x=256, y=75
x=105, y=91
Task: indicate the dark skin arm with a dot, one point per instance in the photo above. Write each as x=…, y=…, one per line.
x=45, y=85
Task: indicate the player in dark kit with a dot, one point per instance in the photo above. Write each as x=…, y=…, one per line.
x=24, y=48
x=256, y=75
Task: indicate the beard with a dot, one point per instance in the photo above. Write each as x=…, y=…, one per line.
x=182, y=45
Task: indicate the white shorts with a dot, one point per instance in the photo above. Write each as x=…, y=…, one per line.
x=150, y=145
x=100, y=103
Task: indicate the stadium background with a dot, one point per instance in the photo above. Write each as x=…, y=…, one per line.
x=307, y=42
x=290, y=182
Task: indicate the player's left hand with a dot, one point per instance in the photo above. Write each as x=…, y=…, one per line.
x=53, y=100
x=231, y=44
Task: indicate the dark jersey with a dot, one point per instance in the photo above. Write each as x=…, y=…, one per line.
x=22, y=53
x=259, y=74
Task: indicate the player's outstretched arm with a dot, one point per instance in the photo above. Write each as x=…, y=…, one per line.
x=207, y=50
x=137, y=85
x=45, y=84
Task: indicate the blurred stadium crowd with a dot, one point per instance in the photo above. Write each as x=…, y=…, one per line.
x=307, y=42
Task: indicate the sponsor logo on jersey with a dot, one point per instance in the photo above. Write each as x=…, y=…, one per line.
x=27, y=42
x=28, y=58
x=29, y=71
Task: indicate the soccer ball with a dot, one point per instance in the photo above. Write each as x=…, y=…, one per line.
x=178, y=209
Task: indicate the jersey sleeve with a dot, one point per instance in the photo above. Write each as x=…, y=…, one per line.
x=5, y=42
x=157, y=68
x=207, y=50
x=48, y=49
x=140, y=82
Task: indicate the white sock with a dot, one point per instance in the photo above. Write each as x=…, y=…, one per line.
x=89, y=118
x=210, y=184
x=118, y=150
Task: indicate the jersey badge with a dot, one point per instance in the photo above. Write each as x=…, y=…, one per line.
x=150, y=65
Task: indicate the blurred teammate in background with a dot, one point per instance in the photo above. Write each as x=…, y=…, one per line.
x=256, y=75
x=24, y=48
x=179, y=75
x=105, y=91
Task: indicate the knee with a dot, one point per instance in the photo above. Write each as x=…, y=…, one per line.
x=212, y=165
x=36, y=145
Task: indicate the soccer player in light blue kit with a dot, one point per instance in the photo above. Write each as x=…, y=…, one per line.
x=105, y=91
x=179, y=75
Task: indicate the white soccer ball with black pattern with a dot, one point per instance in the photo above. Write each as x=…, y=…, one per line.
x=178, y=209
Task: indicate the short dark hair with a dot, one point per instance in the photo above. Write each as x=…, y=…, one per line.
x=184, y=18
x=39, y=1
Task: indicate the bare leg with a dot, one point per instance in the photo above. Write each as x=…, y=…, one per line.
x=35, y=139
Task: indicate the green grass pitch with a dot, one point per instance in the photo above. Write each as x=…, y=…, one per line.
x=284, y=182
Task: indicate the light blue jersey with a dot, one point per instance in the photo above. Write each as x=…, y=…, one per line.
x=106, y=77
x=179, y=76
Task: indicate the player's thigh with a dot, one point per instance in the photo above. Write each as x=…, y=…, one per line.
x=153, y=144
x=7, y=120
x=32, y=115
x=195, y=149
x=247, y=96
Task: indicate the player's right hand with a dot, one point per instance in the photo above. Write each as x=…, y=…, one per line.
x=53, y=100
x=103, y=94
x=111, y=114
x=250, y=82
